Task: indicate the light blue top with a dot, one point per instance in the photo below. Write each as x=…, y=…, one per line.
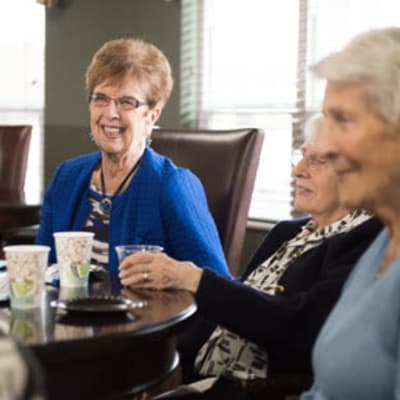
x=357, y=353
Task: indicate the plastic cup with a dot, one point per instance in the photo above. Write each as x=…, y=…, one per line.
x=26, y=265
x=127, y=249
x=74, y=250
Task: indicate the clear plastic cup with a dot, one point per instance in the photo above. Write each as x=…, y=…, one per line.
x=125, y=250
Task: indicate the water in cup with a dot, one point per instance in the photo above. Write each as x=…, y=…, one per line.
x=125, y=250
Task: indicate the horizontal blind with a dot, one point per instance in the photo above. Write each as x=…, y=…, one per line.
x=245, y=64
x=300, y=115
x=191, y=61
x=249, y=80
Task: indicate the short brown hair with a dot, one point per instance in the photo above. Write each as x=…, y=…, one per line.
x=135, y=58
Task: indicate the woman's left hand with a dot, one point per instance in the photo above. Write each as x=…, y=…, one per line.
x=158, y=271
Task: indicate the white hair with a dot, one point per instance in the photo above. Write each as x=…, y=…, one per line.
x=313, y=128
x=371, y=59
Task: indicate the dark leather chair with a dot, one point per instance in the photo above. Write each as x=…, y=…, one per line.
x=14, y=213
x=14, y=151
x=226, y=162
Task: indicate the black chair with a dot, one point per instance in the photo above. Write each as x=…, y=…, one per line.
x=14, y=213
x=14, y=151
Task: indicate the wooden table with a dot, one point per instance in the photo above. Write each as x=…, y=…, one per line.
x=15, y=211
x=103, y=356
x=15, y=214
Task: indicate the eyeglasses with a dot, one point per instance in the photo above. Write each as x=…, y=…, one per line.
x=126, y=103
x=313, y=161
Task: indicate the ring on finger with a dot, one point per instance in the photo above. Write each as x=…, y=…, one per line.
x=145, y=276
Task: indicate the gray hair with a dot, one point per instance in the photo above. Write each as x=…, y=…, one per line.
x=371, y=59
x=313, y=128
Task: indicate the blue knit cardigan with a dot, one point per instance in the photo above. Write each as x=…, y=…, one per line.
x=163, y=205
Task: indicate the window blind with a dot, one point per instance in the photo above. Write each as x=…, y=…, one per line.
x=245, y=63
x=191, y=61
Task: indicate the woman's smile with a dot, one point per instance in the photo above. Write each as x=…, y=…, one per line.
x=303, y=191
x=112, y=132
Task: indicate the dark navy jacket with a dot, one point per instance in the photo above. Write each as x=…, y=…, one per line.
x=285, y=325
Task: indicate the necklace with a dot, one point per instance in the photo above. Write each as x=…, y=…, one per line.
x=106, y=201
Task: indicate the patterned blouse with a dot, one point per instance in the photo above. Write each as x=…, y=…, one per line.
x=226, y=353
x=98, y=222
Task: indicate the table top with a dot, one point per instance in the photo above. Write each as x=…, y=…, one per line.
x=48, y=325
x=17, y=218
x=15, y=200
x=10, y=207
x=106, y=355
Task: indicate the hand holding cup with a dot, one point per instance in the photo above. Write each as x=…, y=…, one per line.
x=158, y=271
x=128, y=249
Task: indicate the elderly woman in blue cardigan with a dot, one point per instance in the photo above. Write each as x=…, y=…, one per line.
x=126, y=193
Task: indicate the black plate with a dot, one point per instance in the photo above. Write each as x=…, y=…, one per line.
x=97, y=304
x=4, y=290
x=3, y=265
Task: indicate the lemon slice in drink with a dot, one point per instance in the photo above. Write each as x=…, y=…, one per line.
x=80, y=270
x=23, y=330
x=22, y=288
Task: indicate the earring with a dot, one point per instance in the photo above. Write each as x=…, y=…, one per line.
x=91, y=137
x=148, y=142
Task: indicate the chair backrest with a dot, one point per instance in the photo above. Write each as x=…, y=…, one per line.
x=226, y=162
x=14, y=150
